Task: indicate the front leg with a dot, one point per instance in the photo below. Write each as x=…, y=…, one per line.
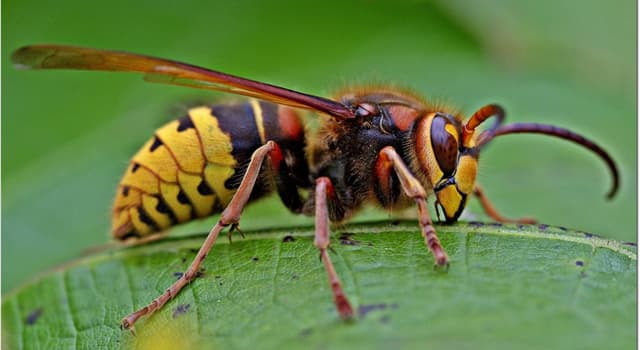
x=388, y=158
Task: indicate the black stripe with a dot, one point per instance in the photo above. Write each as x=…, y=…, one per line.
x=185, y=123
x=239, y=122
x=163, y=208
x=145, y=218
x=204, y=188
x=184, y=199
x=156, y=143
x=270, y=122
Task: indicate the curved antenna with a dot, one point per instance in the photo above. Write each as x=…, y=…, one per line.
x=534, y=128
x=478, y=118
x=160, y=70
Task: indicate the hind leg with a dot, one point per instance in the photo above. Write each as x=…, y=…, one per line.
x=230, y=217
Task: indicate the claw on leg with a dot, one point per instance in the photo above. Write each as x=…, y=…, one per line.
x=234, y=227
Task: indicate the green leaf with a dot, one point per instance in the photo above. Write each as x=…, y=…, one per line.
x=67, y=136
x=507, y=287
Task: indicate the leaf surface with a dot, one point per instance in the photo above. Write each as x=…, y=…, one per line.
x=507, y=287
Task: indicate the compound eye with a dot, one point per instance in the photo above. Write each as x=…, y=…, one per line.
x=366, y=110
x=444, y=140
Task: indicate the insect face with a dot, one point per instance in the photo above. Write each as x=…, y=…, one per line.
x=450, y=165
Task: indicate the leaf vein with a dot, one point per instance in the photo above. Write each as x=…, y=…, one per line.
x=66, y=292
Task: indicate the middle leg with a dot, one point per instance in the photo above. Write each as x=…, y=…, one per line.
x=324, y=189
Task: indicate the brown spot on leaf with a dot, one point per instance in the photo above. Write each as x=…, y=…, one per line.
x=181, y=309
x=33, y=317
x=363, y=310
x=288, y=238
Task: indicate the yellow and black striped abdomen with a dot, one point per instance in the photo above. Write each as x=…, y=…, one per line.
x=192, y=166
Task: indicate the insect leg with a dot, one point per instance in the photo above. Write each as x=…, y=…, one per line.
x=493, y=213
x=388, y=157
x=230, y=216
x=324, y=189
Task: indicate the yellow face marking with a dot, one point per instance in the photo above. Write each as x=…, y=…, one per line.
x=170, y=196
x=216, y=176
x=450, y=200
x=203, y=205
x=184, y=145
x=466, y=173
x=216, y=144
x=142, y=179
x=427, y=158
x=160, y=161
x=452, y=130
x=257, y=114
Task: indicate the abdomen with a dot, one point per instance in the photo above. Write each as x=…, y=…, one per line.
x=192, y=166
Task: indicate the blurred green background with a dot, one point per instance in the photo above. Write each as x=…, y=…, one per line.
x=67, y=136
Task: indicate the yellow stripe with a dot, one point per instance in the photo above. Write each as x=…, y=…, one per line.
x=257, y=114
x=217, y=144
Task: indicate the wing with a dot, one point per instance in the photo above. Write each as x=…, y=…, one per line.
x=159, y=70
